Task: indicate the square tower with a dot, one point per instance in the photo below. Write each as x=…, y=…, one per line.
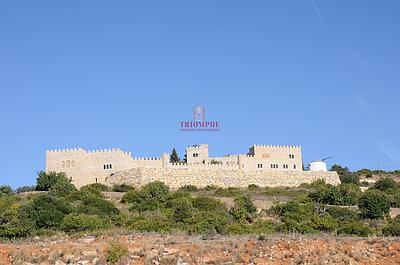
x=197, y=154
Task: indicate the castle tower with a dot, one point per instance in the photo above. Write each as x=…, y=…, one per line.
x=197, y=154
x=165, y=159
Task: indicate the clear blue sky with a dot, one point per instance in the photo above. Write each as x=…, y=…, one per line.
x=103, y=74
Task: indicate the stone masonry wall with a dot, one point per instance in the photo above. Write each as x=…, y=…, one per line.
x=199, y=177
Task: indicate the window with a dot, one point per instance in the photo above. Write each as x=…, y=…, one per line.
x=96, y=180
x=195, y=155
x=68, y=163
x=294, y=166
x=291, y=156
x=70, y=179
x=110, y=166
x=104, y=166
x=276, y=166
x=63, y=164
x=260, y=165
x=72, y=163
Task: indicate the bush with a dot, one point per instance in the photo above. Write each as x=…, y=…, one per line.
x=130, y=197
x=46, y=211
x=150, y=222
x=151, y=197
x=208, y=223
x=188, y=188
x=25, y=189
x=91, y=204
x=253, y=187
x=182, y=208
x=81, y=222
x=62, y=187
x=374, y=204
x=45, y=181
x=5, y=190
x=122, y=188
x=354, y=228
x=344, y=194
x=343, y=214
x=385, y=184
x=116, y=252
x=229, y=192
x=350, y=178
x=208, y=204
x=11, y=223
x=243, y=209
x=95, y=188
x=392, y=229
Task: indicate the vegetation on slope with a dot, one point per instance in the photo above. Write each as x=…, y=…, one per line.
x=57, y=206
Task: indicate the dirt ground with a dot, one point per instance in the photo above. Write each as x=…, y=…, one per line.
x=183, y=249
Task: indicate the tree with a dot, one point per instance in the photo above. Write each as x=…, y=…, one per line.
x=174, y=156
x=45, y=181
x=385, y=184
x=5, y=190
x=374, y=204
x=340, y=170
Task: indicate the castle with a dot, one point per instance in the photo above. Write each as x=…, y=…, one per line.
x=264, y=165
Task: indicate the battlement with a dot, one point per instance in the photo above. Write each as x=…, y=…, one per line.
x=197, y=146
x=66, y=150
x=278, y=146
x=93, y=166
x=146, y=158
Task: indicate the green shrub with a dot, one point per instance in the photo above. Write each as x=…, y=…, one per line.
x=151, y=222
x=81, y=222
x=116, y=252
x=243, y=209
x=385, y=184
x=91, y=204
x=11, y=223
x=46, y=211
x=253, y=187
x=261, y=237
x=25, y=189
x=62, y=187
x=374, y=204
x=122, y=188
x=208, y=223
x=392, y=229
x=350, y=179
x=182, y=208
x=354, y=228
x=208, y=204
x=188, y=188
x=95, y=188
x=343, y=214
x=5, y=190
x=130, y=197
x=344, y=194
x=45, y=181
x=228, y=192
x=151, y=197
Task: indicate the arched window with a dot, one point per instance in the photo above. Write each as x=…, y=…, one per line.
x=96, y=180
x=110, y=166
x=68, y=163
x=63, y=164
x=104, y=166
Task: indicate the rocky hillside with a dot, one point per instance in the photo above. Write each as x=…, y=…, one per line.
x=182, y=249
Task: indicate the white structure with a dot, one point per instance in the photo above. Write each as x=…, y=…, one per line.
x=318, y=166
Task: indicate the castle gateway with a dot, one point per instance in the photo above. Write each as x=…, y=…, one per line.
x=263, y=165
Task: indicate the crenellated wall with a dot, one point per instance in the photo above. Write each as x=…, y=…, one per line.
x=264, y=165
x=176, y=177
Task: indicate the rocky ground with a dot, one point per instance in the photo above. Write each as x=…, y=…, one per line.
x=182, y=249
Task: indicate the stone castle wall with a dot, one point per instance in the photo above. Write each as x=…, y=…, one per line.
x=229, y=177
